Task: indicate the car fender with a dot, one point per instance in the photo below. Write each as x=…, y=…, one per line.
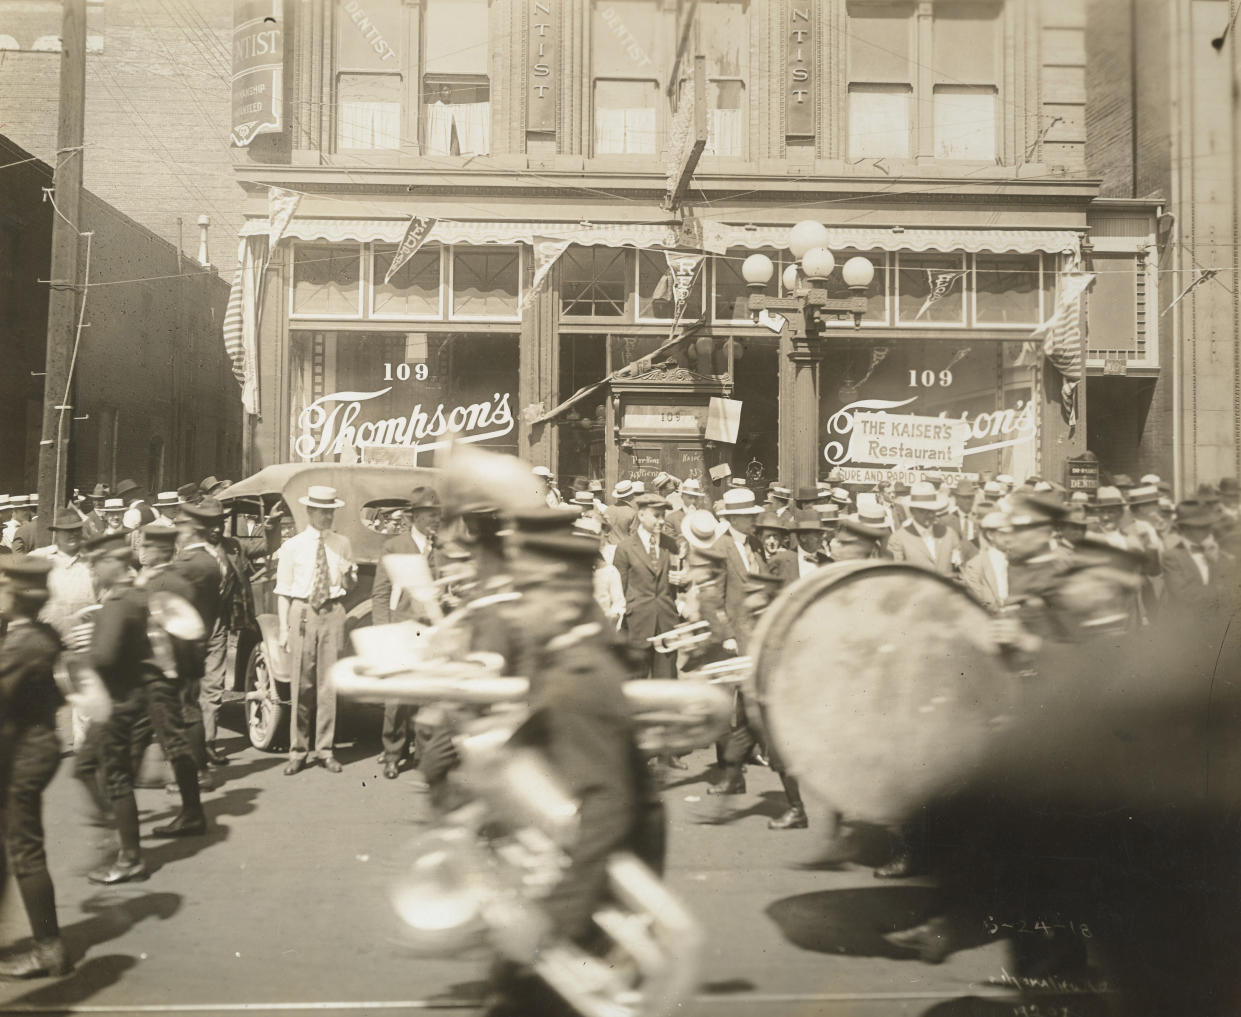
x=278, y=665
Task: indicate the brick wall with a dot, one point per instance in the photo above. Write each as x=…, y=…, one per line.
x=1109, y=92
x=157, y=110
x=151, y=367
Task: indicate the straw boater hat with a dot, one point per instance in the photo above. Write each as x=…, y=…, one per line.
x=779, y=491
x=542, y=471
x=166, y=499
x=321, y=496
x=639, y=487
x=865, y=525
x=623, y=489
x=1109, y=497
x=739, y=502
x=701, y=529
x=113, y=506
x=923, y=495
x=587, y=526
x=663, y=480
x=737, y=482
x=18, y=501
x=1143, y=495
x=584, y=498
x=692, y=488
x=828, y=512
x=841, y=496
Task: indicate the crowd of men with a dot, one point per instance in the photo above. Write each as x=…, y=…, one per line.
x=607, y=581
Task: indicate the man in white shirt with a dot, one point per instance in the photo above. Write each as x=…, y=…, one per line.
x=70, y=584
x=315, y=571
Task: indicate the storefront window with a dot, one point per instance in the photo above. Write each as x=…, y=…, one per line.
x=876, y=293
x=581, y=430
x=931, y=288
x=731, y=294
x=414, y=291
x=595, y=282
x=327, y=280
x=485, y=282
x=405, y=392
x=1007, y=288
x=986, y=384
x=655, y=290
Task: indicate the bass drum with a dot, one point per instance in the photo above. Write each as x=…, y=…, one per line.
x=876, y=682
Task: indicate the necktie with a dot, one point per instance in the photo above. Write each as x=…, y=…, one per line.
x=653, y=549
x=319, y=584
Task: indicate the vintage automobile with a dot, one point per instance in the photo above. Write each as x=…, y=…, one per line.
x=262, y=511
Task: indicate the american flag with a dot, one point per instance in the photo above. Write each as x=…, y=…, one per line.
x=234, y=346
x=1062, y=345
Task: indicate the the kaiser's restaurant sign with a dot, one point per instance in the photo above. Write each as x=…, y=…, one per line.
x=258, y=69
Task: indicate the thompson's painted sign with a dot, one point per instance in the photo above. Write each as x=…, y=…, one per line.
x=331, y=425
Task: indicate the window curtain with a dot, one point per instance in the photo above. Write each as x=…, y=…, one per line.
x=724, y=132
x=626, y=131
x=458, y=128
x=370, y=124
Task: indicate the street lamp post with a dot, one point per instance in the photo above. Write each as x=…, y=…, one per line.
x=801, y=335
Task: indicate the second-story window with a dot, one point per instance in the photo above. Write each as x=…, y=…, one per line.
x=630, y=53
x=456, y=92
x=914, y=92
x=724, y=27
x=413, y=76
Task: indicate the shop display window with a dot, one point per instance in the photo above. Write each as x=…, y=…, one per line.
x=986, y=383
x=414, y=291
x=595, y=282
x=405, y=389
x=655, y=296
x=731, y=294
x=327, y=280
x=877, y=295
x=1008, y=289
x=931, y=289
x=485, y=282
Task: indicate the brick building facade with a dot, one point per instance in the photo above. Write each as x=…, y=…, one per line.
x=946, y=141
x=155, y=399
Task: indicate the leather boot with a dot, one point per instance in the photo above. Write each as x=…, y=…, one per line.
x=795, y=817
x=731, y=782
x=931, y=941
x=46, y=959
x=127, y=868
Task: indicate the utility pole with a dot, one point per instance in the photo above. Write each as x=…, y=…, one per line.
x=62, y=305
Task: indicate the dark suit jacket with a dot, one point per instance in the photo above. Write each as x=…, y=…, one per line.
x=93, y=525
x=382, y=612
x=783, y=565
x=26, y=539
x=1187, y=592
x=28, y=692
x=736, y=575
x=969, y=545
x=200, y=568
x=622, y=519
x=650, y=601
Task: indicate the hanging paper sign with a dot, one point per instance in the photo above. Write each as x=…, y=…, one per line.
x=258, y=69
x=337, y=430
x=886, y=439
x=723, y=420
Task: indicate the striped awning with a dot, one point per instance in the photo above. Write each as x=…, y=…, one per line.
x=717, y=237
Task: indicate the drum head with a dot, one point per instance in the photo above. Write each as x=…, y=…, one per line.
x=876, y=682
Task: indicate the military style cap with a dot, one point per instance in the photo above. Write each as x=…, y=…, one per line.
x=1036, y=510
x=542, y=520
x=159, y=533
x=66, y=521
x=1095, y=550
x=25, y=574
x=108, y=543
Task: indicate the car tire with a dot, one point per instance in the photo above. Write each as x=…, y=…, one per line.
x=267, y=718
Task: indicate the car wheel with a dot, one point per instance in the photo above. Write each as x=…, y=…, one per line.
x=266, y=715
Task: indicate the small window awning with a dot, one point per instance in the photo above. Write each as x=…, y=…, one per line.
x=717, y=237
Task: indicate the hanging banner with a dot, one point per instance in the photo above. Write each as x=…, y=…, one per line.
x=258, y=69
x=415, y=234
x=547, y=252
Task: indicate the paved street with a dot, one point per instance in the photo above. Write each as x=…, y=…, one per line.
x=282, y=909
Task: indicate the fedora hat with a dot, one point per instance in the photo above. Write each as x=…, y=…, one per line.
x=965, y=486
x=127, y=486
x=423, y=497
x=66, y=521
x=209, y=510
x=596, y=486
x=701, y=529
x=100, y=491
x=159, y=532
x=835, y=476
x=1228, y=485
x=873, y=515
x=1079, y=498
x=1193, y=512
x=1122, y=480
x=739, y=501
x=693, y=488
x=662, y=480
x=770, y=521
x=321, y=496
x=808, y=494
x=623, y=489
x=806, y=521
x=923, y=495
x=108, y=543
